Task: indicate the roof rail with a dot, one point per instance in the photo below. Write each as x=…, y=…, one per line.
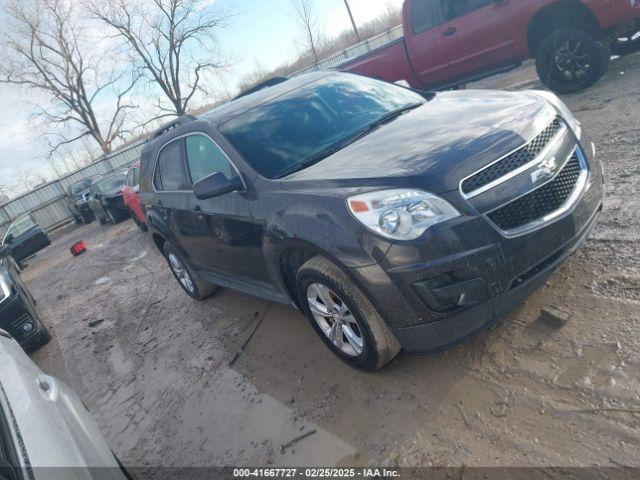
x=178, y=122
x=262, y=85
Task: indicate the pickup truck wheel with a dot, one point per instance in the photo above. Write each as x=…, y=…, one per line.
x=101, y=220
x=571, y=59
x=343, y=317
x=189, y=280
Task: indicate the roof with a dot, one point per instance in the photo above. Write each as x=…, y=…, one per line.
x=228, y=111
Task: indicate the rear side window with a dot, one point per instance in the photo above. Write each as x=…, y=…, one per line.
x=136, y=176
x=423, y=15
x=170, y=174
x=456, y=8
x=204, y=158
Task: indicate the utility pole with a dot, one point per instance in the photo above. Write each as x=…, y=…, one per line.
x=353, y=22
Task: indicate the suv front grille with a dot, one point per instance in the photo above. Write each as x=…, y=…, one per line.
x=540, y=202
x=512, y=162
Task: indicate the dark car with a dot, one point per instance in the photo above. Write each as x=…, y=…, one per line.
x=78, y=200
x=25, y=238
x=18, y=315
x=390, y=218
x=105, y=198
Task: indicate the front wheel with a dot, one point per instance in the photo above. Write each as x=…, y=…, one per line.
x=343, y=317
x=189, y=280
x=570, y=60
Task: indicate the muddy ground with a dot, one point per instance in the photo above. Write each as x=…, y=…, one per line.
x=154, y=370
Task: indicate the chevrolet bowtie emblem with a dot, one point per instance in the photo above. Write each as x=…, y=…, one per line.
x=545, y=170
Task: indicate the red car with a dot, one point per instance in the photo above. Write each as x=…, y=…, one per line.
x=450, y=42
x=131, y=195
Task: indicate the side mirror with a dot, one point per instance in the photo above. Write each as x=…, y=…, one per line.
x=215, y=185
x=5, y=251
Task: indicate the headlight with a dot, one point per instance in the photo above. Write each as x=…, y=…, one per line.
x=5, y=287
x=559, y=105
x=400, y=214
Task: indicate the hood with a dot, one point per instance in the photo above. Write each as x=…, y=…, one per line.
x=435, y=146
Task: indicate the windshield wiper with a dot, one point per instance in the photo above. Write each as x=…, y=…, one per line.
x=336, y=147
x=392, y=115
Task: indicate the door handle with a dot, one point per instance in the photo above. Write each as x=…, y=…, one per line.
x=449, y=31
x=197, y=208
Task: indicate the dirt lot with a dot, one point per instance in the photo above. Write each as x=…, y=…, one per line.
x=154, y=370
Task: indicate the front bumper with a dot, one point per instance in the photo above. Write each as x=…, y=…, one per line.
x=19, y=318
x=487, y=273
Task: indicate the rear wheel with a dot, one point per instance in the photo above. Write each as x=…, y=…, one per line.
x=572, y=59
x=343, y=317
x=139, y=223
x=112, y=217
x=101, y=220
x=189, y=280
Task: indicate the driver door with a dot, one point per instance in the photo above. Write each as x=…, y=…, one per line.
x=225, y=240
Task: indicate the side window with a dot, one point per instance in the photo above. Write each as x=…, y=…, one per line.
x=423, y=15
x=170, y=174
x=129, y=180
x=204, y=158
x=456, y=8
x=136, y=176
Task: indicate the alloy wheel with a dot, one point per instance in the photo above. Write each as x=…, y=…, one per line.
x=181, y=273
x=335, y=319
x=572, y=60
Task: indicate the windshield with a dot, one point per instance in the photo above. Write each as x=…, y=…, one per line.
x=80, y=186
x=289, y=131
x=111, y=183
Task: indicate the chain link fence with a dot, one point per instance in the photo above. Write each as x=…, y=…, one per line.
x=47, y=203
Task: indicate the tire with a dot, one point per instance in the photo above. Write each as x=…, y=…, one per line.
x=378, y=346
x=140, y=224
x=101, y=220
x=112, y=217
x=571, y=59
x=188, y=280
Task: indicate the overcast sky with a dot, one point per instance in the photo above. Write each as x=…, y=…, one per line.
x=261, y=31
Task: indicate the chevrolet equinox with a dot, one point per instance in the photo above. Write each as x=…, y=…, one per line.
x=392, y=218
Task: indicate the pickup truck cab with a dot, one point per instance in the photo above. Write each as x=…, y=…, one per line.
x=450, y=42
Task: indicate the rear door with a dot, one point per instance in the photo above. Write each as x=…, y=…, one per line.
x=429, y=61
x=476, y=35
x=226, y=242
x=173, y=195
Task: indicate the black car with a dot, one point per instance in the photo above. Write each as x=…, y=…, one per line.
x=18, y=315
x=391, y=218
x=78, y=200
x=105, y=198
x=25, y=238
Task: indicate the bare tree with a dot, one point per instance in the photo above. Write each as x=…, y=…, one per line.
x=49, y=54
x=4, y=191
x=173, y=41
x=311, y=37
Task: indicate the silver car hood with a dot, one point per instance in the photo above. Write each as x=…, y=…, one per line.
x=50, y=427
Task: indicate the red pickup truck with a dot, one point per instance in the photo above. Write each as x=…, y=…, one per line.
x=450, y=42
